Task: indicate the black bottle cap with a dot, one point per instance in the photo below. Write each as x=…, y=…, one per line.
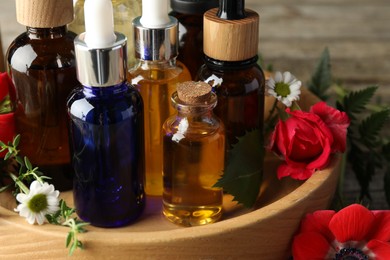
x=193, y=6
x=231, y=9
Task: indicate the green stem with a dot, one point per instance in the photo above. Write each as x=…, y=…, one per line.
x=273, y=108
x=343, y=164
x=20, y=184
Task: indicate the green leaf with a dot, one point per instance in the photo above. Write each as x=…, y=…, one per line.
x=16, y=141
x=386, y=152
x=356, y=101
x=321, y=79
x=69, y=238
x=27, y=163
x=243, y=172
x=371, y=126
x=6, y=105
x=19, y=160
x=4, y=188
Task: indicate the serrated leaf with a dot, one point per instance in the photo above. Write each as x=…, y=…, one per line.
x=371, y=126
x=356, y=101
x=359, y=167
x=321, y=79
x=244, y=170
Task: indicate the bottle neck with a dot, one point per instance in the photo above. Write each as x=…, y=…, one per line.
x=156, y=64
x=47, y=33
x=230, y=65
x=195, y=111
x=105, y=92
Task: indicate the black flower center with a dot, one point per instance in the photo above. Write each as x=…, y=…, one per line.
x=350, y=254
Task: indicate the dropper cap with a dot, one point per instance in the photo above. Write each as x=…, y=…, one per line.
x=231, y=32
x=155, y=33
x=101, y=55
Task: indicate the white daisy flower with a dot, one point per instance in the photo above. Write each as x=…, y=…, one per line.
x=285, y=88
x=41, y=200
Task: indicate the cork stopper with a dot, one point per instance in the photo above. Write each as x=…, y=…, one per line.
x=231, y=36
x=191, y=92
x=44, y=13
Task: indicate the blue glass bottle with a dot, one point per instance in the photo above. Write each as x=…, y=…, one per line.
x=106, y=132
x=106, y=126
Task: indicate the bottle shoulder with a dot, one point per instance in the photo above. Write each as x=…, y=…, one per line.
x=115, y=106
x=26, y=52
x=233, y=82
x=159, y=72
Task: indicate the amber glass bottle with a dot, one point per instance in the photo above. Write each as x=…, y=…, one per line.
x=124, y=13
x=194, y=148
x=155, y=76
x=41, y=63
x=189, y=13
x=230, y=46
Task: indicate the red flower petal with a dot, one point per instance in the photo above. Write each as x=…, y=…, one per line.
x=337, y=122
x=319, y=222
x=310, y=245
x=352, y=223
x=298, y=173
x=4, y=85
x=380, y=249
x=381, y=231
x=7, y=129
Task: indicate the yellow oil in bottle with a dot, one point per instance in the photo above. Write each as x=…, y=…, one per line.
x=191, y=167
x=156, y=82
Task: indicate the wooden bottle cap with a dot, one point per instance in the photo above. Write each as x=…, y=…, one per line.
x=230, y=40
x=192, y=92
x=44, y=13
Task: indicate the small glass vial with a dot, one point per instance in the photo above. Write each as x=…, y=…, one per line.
x=155, y=76
x=106, y=128
x=124, y=13
x=189, y=13
x=41, y=63
x=194, y=147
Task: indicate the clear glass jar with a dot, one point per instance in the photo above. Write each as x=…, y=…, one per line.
x=193, y=148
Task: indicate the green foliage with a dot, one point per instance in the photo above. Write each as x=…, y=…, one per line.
x=65, y=217
x=365, y=148
x=244, y=170
x=321, y=79
x=366, y=152
x=27, y=174
x=355, y=101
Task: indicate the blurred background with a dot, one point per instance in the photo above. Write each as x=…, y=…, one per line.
x=294, y=33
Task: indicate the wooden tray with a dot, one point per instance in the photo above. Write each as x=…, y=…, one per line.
x=262, y=233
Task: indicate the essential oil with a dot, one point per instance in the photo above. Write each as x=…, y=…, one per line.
x=41, y=63
x=155, y=76
x=194, y=146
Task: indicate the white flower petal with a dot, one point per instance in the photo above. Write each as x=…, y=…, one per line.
x=278, y=76
x=40, y=218
x=21, y=197
x=287, y=77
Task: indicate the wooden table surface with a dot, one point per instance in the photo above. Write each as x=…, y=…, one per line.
x=293, y=33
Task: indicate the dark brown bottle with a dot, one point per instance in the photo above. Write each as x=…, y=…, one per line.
x=41, y=63
x=189, y=13
x=230, y=47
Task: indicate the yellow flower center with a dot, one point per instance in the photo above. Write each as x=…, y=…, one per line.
x=282, y=89
x=38, y=203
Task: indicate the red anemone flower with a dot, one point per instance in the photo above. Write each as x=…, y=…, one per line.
x=352, y=233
